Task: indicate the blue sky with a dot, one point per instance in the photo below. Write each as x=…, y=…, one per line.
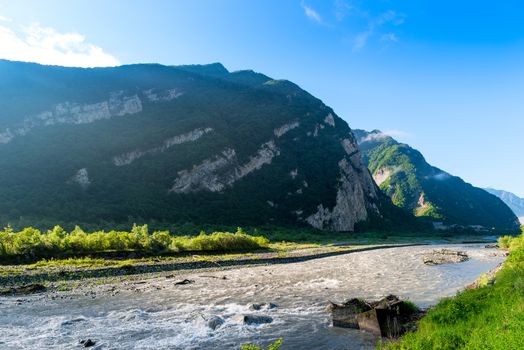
x=446, y=77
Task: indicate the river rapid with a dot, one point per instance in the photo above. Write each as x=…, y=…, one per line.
x=159, y=314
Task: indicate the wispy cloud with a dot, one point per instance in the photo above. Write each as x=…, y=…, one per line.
x=397, y=133
x=46, y=45
x=311, y=13
x=389, y=38
x=374, y=136
x=361, y=40
x=374, y=27
x=380, y=135
x=4, y=19
x=342, y=9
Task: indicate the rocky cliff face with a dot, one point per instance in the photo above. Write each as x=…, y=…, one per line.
x=184, y=144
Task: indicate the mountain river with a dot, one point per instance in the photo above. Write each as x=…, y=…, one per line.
x=159, y=314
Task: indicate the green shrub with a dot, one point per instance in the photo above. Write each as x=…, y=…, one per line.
x=32, y=243
x=275, y=346
x=504, y=241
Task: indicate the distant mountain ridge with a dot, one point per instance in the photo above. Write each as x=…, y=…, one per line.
x=177, y=144
x=512, y=200
x=426, y=191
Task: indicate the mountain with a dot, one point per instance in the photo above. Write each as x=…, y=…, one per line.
x=513, y=201
x=426, y=191
x=186, y=144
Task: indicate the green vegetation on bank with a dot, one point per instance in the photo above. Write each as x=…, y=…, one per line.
x=274, y=346
x=32, y=243
x=489, y=317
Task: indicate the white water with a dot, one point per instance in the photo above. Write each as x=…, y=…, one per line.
x=161, y=315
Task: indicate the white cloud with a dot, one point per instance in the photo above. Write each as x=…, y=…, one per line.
x=311, y=14
x=4, y=19
x=397, y=133
x=442, y=176
x=379, y=135
x=45, y=45
x=389, y=37
x=361, y=40
x=374, y=136
x=374, y=28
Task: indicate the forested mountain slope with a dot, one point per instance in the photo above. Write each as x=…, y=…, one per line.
x=426, y=191
x=177, y=144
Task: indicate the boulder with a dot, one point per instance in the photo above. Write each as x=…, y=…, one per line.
x=380, y=322
x=207, y=321
x=262, y=306
x=87, y=343
x=214, y=322
x=388, y=317
x=345, y=315
x=445, y=256
x=252, y=319
x=183, y=282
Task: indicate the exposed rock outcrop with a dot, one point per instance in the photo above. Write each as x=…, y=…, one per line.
x=154, y=95
x=330, y=120
x=117, y=105
x=355, y=192
x=130, y=157
x=82, y=178
x=216, y=174
x=281, y=131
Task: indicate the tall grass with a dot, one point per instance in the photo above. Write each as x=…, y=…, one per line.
x=490, y=317
x=33, y=243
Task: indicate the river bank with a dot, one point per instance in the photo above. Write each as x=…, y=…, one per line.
x=489, y=314
x=167, y=311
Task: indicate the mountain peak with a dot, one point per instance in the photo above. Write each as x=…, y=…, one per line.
x=190, y=143
x=426, y=191
x=212, y=69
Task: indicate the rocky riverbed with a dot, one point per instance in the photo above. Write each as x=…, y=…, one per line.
x=225, y=308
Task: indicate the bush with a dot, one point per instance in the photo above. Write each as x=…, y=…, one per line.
x=275, y=346
x=32, y=243
x=504, y=241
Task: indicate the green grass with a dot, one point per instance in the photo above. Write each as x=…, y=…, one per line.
x=489, y=317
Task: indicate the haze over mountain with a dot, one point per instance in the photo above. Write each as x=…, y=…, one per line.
x=426, y=191
x=512, y=200
x=177, y=144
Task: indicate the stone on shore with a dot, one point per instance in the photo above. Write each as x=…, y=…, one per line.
x=445, y=256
